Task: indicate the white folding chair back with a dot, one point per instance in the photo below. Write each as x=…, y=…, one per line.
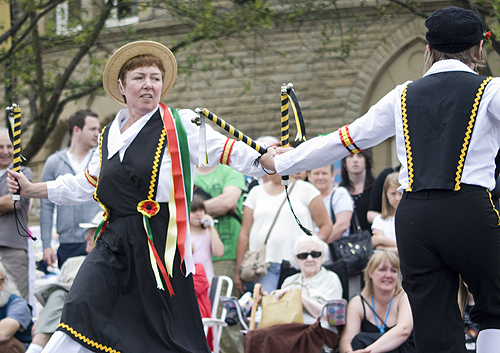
x=218, y=322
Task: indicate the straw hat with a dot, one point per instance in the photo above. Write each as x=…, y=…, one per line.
x=129, y=51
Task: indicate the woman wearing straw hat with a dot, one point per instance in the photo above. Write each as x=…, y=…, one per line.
x=134, y=292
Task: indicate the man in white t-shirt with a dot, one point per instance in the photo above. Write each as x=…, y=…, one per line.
x=336, y=199
x=84, y=128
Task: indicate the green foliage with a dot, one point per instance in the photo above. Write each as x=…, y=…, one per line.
x=50, y=66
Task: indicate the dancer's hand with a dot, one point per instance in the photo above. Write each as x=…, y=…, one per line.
x=267, y=159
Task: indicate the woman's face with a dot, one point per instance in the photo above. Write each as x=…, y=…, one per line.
x=394, y=196
x=322, y=178
x=385, y=276
x=309, y=266
x=142, y=88
x=355, y=163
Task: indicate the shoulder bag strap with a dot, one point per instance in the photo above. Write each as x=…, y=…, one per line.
x=355, y=227
x=277, y=214
x=373, y=311
x=332, y=214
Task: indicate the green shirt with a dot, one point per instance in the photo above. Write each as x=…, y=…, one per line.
x=228, y=226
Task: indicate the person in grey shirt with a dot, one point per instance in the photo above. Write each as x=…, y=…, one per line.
x=13, y=246
x=84, y=129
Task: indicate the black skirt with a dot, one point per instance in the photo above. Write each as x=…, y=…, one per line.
x=115, y=303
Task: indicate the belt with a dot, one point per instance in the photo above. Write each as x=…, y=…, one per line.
x=429, y=194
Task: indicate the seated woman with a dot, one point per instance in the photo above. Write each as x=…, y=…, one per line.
x=380, y=319
x=318, y=284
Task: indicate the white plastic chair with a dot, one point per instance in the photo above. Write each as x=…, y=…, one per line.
x=215, y=321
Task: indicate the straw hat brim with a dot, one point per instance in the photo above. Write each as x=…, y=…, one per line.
x=129, y=51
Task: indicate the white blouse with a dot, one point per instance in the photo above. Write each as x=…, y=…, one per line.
x=384, y=120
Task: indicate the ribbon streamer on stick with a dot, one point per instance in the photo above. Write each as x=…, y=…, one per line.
x=288, y=96
x=285, y=126
x=200, y=121
x=14, y=114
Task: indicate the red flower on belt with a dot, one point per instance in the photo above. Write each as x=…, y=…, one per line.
x=148, y=208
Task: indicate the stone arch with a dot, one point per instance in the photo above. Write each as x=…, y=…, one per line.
x=398, y=59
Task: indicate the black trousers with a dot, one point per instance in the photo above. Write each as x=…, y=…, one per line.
x=442, y=234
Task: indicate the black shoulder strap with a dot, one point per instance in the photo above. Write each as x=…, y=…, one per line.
x=374, y=313
x=332, y=214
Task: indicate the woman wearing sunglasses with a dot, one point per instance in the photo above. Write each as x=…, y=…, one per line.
x=318, y=284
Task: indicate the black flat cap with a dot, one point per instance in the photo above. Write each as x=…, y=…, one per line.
x=453, y=29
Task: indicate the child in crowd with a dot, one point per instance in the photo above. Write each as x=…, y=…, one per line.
x=383, y=227
x=204, y=237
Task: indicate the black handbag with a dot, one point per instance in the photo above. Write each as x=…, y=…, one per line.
x=355, y=249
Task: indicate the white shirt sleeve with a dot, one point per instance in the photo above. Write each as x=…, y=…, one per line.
x=71, y=189
x=375, y=126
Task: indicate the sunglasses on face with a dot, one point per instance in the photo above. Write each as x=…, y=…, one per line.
x=304, y=255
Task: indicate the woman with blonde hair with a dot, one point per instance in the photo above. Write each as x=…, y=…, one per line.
x=380, y=318
x=384, y=227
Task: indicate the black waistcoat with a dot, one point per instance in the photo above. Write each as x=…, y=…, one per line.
x=439, y=112
x=122, y=185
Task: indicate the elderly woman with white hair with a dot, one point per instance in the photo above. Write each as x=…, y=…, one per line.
x=318, y=284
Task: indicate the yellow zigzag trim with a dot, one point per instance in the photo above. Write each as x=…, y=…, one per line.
x=407, y=139
x=493, y=205
x=468, y=133
x=106, y=211
x=154, y=174
x=88, y=341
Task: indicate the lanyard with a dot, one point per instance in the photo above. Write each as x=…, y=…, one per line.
x=382, y=327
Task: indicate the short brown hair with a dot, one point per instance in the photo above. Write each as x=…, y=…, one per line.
x=78, y=119
x=141, y=61
x=197, y=204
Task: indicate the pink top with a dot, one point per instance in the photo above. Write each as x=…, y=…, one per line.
x=202, y=252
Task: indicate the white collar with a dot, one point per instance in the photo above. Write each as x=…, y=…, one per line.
x=448, y=65
x=3, y=171
x=118, y=141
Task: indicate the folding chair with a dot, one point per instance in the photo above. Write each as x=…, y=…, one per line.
x=232, y=304
x=218, y=319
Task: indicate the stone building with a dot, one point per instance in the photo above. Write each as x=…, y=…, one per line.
x=332, y=90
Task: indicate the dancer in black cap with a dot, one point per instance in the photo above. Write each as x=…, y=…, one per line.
x=447, y=128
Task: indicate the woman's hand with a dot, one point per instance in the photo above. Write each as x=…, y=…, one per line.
x=16, y=180
x=267, y=159
x=239, y=284
x=280, y=292
x=207, y=221
x=281, y=150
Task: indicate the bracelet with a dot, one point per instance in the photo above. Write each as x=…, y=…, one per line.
x=265, y=171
